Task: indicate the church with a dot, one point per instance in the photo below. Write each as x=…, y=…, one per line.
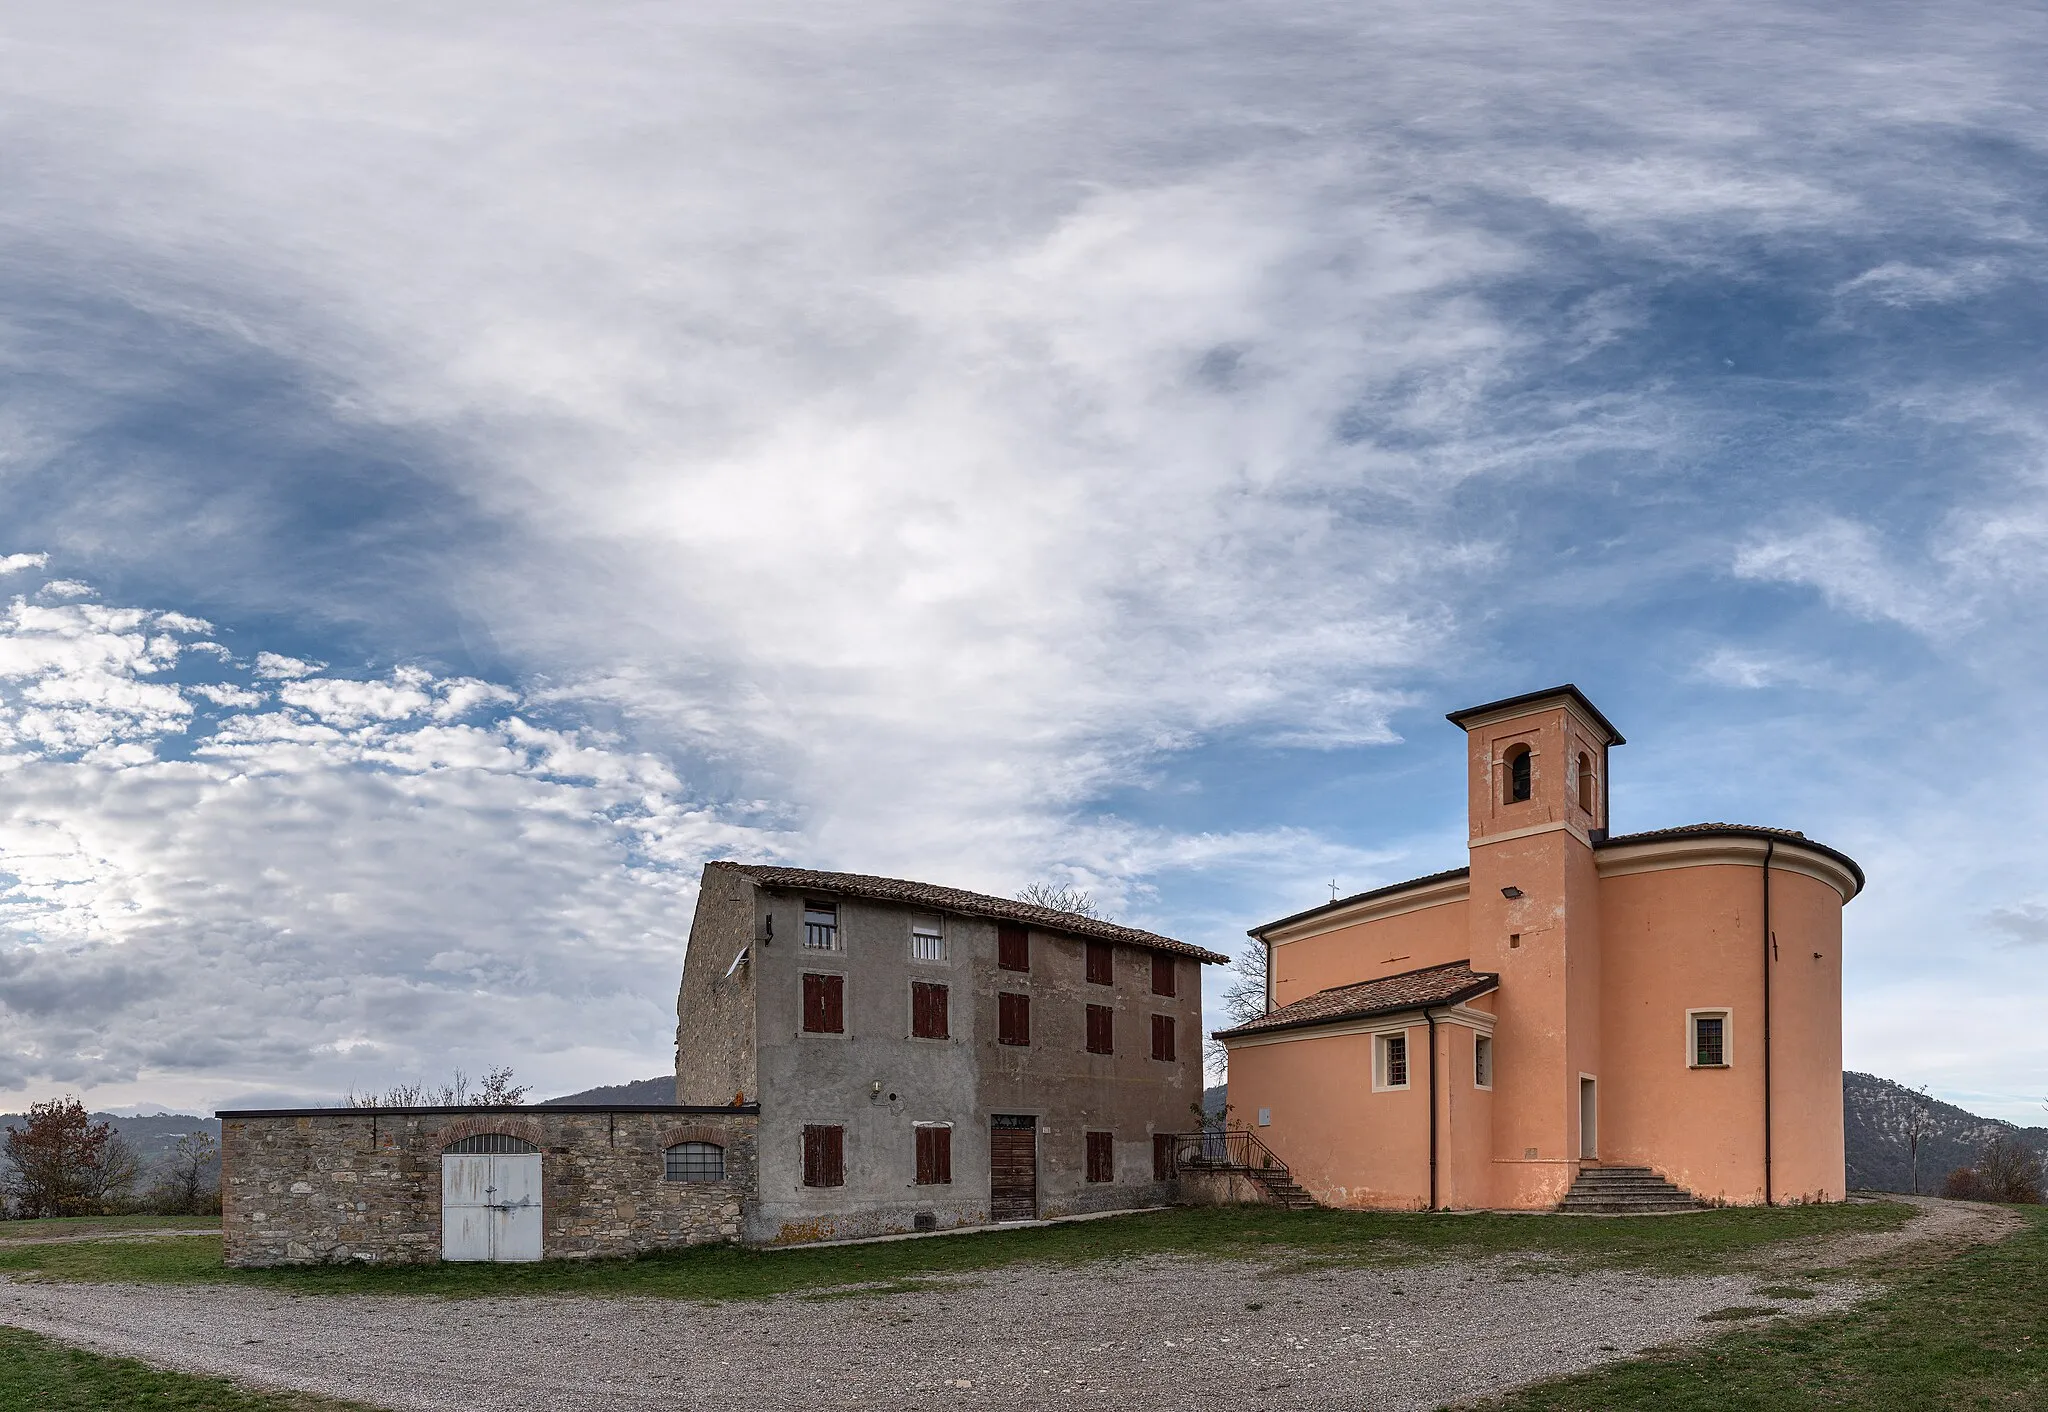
x=1572, y=1017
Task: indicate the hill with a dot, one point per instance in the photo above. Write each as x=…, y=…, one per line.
x=1875, y=1114
x=154, y=1138
x=659, y=1089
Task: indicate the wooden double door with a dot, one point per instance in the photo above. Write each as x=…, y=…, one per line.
x=1013, y=1167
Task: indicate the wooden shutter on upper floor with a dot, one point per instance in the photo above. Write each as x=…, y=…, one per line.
x=824, y=1004
x=934, y=1155
x=1101, y=1030
x=1162, y=974
x=1101, y=963
x=1013, y=1018
x=824, y=1155
x=1101, y=1157
x=1162, y=1037
x=1013, y=946
x=928, y=1006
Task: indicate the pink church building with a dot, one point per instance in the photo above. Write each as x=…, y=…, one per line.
x=1575, y=1018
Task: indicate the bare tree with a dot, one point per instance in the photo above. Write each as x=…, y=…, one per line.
x=498, y=1090
x=1919, y=1123
x=2009, y=1170
x=186, y=1183
x=1244, y=1000
x=1057, y=897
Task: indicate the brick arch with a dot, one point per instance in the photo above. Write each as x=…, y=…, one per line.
x=461, y=1128
x=669, y=1137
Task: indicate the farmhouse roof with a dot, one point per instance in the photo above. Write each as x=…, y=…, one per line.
x=968, y=904
x=1410, y=990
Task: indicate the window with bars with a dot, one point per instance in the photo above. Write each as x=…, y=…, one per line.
x=934, y=1154
x=693, y=1162
x=1162, y=975
x=1101, y=1157
x=1101, y=1029
x=824, y=1004
x=493, y=1144
x=821, y=926
x=1101, y=963
x=1162, y=1038
x=928, y=1007
x=927, y=940
x=1710, y=1039
x=1013, y=1018
x=824, y=1155
x=1482, y=1061
x=1393, y=1061
x=1013, y=946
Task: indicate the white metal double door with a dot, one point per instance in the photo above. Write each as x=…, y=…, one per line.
x=490, y=1206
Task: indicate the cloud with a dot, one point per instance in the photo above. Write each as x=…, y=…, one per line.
x=2024, y=925
x=15, y=563
x=1847, y=563
x=274, y=665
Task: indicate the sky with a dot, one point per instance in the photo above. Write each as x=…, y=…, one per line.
x=461, y=469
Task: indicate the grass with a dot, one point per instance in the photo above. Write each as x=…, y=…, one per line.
x=51, y=1377
x=1968, y=1332
x=103, y=1225
x=1723, y=1239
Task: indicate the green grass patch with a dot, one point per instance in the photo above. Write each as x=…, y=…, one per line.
x=1720, y=1239
x=102, y=1225
x=51, y=1377
x=1968, y=1332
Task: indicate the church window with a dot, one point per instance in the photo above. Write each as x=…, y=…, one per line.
x=1518, y=774
x=1585, y=782
x=1482, y=1061
x=1391, y=1061
x=1707, y=1039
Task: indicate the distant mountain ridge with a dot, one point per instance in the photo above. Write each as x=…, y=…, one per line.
x=154, y=1138
x=1875, y=1113
x=659, y=1089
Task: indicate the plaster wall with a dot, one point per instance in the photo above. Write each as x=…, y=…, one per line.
x=1346, y=1144
x=1363, y=951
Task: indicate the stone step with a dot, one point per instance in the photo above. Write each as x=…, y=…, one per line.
x=1621, y=1191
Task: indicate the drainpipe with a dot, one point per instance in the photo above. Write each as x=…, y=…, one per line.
x=1770, y=847
x=1430, y=1020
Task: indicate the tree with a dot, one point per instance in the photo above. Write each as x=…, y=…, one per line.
x=1244, y=1000
x=1057, y=897
x=61, y=1163
x=186, y=1183
x=498, y=1090
x=2009, y=1170
x=1919, y=1123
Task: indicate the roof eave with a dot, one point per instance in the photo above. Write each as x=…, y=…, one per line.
x=1471, y=992
x=1615, y=737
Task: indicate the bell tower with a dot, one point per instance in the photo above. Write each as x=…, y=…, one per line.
x=1536, y=783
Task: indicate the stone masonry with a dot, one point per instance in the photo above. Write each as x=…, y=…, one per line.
x=327, y=1185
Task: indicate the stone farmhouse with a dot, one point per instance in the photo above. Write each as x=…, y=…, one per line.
x=1574, y=1018
x=855, y=1056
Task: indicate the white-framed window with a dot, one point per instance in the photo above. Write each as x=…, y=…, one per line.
x=1390, y=1061
x=1708, y=1041
x=1482, y=1061
x=821, y=926
x=927, y=939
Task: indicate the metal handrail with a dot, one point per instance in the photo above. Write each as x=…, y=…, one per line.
x=1226, y=1150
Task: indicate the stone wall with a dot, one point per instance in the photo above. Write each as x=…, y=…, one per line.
x=311, y=1186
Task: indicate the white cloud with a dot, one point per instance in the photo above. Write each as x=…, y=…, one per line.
x=15, y=563
x=277, y=666
x=1848, y=564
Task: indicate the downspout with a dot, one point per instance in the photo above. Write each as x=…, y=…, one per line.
x=1430, y=1020
x=1770, y=847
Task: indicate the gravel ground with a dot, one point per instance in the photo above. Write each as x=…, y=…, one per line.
x=1158, y=1332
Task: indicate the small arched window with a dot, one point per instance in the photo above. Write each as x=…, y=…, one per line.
x=1585, y=782
x=693, y=1162
x=493, y=1144
x=1518, y=779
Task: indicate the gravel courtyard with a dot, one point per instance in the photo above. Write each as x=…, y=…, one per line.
x=1158, y=1332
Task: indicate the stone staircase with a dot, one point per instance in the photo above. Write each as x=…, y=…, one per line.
x=1284, y=1190
x=1624, y=1191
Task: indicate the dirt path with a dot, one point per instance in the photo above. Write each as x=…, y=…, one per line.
x=1158, y=1332
x=8, y=1241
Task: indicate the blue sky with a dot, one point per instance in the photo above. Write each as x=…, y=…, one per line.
x=456, y=476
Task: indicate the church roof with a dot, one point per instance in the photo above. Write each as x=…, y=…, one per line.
x=967, y=904
x=1410, y=990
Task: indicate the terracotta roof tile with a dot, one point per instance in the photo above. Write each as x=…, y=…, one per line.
x=970, y=904
x=1410, y=990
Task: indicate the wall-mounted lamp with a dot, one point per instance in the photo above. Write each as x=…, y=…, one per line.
x=1511, y=893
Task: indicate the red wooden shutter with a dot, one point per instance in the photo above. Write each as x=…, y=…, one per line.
x=1013, y=946
x=1013, y=1018
x=824, y=1004
x=1162, y=1156
x=1101, y=1157
x=1162, y=1037
x=1101, y=1030
x=824, y=1155
x=934, y=1156
x=928, y=1018
x=1101, y=963
x=1162, y=974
